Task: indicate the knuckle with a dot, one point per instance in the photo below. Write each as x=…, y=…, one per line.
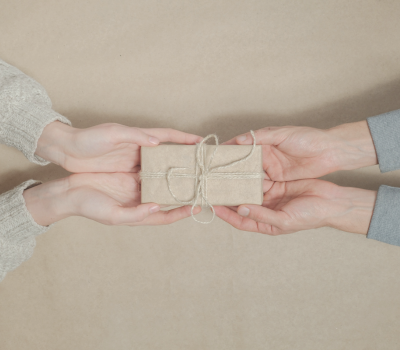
x=286, y=224
x=169, y=132
x=140, y=216
x=114, y=218
x=130, y=183
x=109, y=125
x=113, y=130
x=111, y=222
x=115, y=221
x=268, y=129
x=263, y=228
x=167, y=218
x=275, y=231
x=260, y=216
x=113, y=127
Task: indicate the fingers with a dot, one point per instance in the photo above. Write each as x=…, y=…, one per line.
x=244, y=223
x=135, y=169
x=171, y=135
x=266, y=136
x=247, y=139
x=261, y=214
x=150, y=214
x=124, y=216
x=267, y=184
x=122, y=133
x=170, y=216
x=151, y=137
x=231, y=217
x=230, y=142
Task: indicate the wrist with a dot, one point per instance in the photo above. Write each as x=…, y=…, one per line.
x=352, y=146
x=352, y=209
x=54, y=141
x=48, y=203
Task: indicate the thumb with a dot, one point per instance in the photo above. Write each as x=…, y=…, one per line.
x=122, y=215
x=135, y=135
x=261, y=214
x=267, y=136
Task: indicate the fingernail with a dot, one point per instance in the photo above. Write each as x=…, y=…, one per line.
x=196, y=210
x=242, y=138
x=243, y=211
x=153, y=140
x=154, y=209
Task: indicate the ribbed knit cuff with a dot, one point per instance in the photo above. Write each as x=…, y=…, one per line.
x=25, y=131
x=25, y=110
x=385, y=222
x=385, y=131
x=17, y=229
x=14, y=215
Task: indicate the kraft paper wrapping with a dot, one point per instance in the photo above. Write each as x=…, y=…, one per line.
x=219, y=191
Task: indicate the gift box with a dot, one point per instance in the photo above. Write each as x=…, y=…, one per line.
x=202, y=174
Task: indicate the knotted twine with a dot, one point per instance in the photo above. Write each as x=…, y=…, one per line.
x=204, y=172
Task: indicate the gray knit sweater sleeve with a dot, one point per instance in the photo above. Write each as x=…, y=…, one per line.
x=25, y=110
x=17, y=229
x=385, y=222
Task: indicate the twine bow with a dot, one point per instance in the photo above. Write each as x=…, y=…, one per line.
x=204, y=172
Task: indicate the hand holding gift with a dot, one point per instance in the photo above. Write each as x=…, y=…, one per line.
x=294, y=153
x=108, y=198
x=228, y=178
x=107, y=190
x=302, y=205
x=102, y=148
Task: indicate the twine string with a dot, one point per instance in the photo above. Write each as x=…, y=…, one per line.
x=203, y=173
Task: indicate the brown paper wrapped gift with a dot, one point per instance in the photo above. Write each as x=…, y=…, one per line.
x=172, y=175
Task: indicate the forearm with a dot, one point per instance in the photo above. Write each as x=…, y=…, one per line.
x=54, y=142
x=351, y=209
x=373, y=213
x=375, y=140
x=352, y=146
x=48, y=202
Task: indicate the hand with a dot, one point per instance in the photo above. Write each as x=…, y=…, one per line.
x=292, y=153
x=104, y=147
x=301, y=205
x=111, y=199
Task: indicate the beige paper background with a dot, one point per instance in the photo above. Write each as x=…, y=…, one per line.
x=204, y=66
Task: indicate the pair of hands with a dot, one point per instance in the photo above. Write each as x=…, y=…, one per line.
x=106, y=159
x=105, y=187
x=293, y=199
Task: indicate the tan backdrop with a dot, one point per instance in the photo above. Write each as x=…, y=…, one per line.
x=221, y=66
